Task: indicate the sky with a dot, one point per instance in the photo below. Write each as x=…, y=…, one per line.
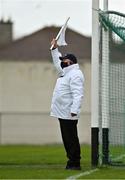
x=29, y=16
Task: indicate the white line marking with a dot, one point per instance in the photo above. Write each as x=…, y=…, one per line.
x=82, y=174
x=119, y=157
x=91, y=171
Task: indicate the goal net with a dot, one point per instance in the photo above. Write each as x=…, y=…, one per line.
x=112, y=87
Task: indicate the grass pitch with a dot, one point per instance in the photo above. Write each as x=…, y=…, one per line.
x=48, y=162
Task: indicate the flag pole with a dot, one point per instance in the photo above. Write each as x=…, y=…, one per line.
x=58, y=35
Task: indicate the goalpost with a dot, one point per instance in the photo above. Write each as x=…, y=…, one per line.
x=105, y=91
x=113, y=92
x=108, y=86
x=95, y=84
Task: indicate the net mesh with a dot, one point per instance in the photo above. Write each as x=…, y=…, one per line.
x=114, y=23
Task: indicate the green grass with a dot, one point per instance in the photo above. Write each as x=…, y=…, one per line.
x=47, y=162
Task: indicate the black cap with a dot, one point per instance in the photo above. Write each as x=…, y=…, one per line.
x=69, y=56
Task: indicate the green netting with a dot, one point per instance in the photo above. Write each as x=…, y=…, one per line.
x=114, y=23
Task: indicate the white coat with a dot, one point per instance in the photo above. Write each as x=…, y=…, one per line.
x=69, y=89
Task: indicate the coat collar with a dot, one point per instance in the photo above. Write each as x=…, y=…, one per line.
x=69, y=68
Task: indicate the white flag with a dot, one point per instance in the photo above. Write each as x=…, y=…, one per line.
x=61, y=35
x=61, y=40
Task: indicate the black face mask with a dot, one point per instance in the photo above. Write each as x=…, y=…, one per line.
x=64, y=64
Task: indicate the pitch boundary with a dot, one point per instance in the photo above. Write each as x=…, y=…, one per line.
x=82, y=174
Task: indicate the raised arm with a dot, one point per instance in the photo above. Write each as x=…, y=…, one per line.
x=55, y=56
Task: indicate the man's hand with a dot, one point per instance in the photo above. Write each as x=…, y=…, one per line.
x=54, y=43
x=73, y=114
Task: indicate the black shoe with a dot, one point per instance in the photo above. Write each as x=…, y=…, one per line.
x=73, y=167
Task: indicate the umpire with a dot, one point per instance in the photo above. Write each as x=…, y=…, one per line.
x=66, y=103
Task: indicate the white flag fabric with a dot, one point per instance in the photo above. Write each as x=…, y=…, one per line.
x=61, y=35
x=61, y=40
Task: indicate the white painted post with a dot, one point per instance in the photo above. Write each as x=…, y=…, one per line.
x=95, y=82
x=95, y=65
x=105, y=91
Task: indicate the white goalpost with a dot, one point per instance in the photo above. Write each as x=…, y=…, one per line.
x=95, y=86
x=105, y=91
x=108, y=86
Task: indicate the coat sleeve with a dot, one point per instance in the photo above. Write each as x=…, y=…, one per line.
x=56, y=61
x=77, y=90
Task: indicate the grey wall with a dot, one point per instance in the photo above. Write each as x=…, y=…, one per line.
x=25, y=98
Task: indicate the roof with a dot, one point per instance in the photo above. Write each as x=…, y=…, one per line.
x=36, y=46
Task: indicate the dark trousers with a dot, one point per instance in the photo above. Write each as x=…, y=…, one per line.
x=70, y=141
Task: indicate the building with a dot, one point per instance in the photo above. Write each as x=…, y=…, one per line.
x=6, y=34
x=27, y=79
